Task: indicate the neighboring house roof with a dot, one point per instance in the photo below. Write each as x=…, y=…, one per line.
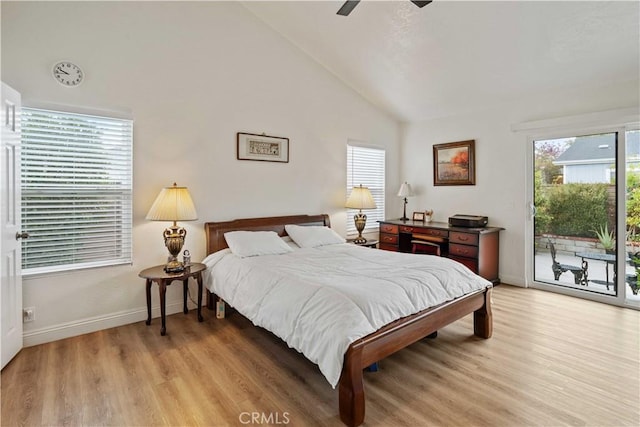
x=597, y=149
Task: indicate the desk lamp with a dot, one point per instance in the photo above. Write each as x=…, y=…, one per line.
x=405, y=191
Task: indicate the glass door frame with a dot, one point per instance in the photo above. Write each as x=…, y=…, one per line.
x=558, y=131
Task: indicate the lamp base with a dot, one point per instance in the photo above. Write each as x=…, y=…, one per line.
x=404, y=212
x=174, y=240
x=360, y=220
x=174, y=266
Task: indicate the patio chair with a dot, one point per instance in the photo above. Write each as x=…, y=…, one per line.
x=632, y=279
x=579, y=273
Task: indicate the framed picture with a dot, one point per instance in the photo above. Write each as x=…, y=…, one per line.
x=418, y=216
x=454, y=163
x=263, y=148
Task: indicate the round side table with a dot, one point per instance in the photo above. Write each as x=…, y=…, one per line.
x=368, y=244
x=164, y=279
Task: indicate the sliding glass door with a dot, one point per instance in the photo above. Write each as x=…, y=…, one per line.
x=580, y=244
x=632, y=205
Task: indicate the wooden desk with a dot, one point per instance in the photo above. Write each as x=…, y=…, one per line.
x=477, y=248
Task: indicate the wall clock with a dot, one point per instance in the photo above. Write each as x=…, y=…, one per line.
x=67, y=73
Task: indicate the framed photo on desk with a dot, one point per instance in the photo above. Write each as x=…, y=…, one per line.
x=418, y=216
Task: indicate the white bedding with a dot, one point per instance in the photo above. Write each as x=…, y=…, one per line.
x=320, y=300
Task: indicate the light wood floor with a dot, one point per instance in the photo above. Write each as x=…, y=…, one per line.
x=553, y=360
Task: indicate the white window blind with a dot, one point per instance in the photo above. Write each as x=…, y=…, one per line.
x=76, y=191
x=365, y=165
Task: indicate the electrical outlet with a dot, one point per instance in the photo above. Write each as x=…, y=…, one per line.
x=28, y=314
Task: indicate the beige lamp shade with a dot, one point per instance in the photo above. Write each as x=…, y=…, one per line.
x=173, y=204
x=405, y=190
x=360, y=198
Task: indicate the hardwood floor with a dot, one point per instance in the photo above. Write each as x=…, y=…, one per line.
x=553, y=360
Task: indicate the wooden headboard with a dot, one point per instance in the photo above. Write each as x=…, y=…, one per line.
x=215, y=230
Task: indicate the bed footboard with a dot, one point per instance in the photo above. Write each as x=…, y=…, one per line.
x=398, y=335
x=483, y=318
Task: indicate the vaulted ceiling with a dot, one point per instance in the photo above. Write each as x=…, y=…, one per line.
x=452, y=57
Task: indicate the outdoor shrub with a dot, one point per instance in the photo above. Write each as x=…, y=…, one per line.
x=633, y=205
x=577, y=209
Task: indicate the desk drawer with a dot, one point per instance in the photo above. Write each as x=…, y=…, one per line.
x=471, y=263
x=463, y=250
x=389, y=228
x=432, y=232
x=464, y=238
x=389, y=239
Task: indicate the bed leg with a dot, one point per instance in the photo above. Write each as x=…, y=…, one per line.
x=351, y=390
x=483, y=318
x=211, y=300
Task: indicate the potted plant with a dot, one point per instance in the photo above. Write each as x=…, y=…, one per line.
x=607, y=238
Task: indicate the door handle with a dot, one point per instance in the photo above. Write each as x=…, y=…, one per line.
x=23, y=235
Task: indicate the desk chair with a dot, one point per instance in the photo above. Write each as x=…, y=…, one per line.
x=423, y=244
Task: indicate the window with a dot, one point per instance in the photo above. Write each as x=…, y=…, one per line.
x=76, y=191
x=365, y=165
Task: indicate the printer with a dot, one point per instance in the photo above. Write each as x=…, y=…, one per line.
x=469, y=221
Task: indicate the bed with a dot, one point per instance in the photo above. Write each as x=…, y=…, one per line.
x=377, y=344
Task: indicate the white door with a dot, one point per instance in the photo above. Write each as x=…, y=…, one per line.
x=10, y=222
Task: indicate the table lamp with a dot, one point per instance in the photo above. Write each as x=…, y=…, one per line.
x=360, y=198
x=405, y=191
x=173, y=204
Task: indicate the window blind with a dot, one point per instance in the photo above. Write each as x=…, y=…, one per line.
x=366, y=166
x=76, y=191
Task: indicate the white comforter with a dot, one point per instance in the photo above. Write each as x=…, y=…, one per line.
x=320, y=300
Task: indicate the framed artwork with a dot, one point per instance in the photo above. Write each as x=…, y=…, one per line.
x=418, y=216
x=454, y=163
x=263, y=148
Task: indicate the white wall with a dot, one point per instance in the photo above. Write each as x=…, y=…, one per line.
x=191, y=75
x=500, y=190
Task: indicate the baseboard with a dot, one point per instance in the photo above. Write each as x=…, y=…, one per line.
x=513, y=280
x=98, y=323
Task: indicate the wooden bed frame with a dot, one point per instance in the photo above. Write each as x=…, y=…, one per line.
x=380, y=344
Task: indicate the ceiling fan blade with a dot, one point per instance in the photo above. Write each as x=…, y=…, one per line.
x=420, y=3
x=347, y=7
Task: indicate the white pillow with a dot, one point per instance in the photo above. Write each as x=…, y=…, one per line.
x=253, y=243
x=313, y=235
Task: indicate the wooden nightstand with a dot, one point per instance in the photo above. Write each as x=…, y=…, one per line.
x=164, y=279
x=368, y=244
